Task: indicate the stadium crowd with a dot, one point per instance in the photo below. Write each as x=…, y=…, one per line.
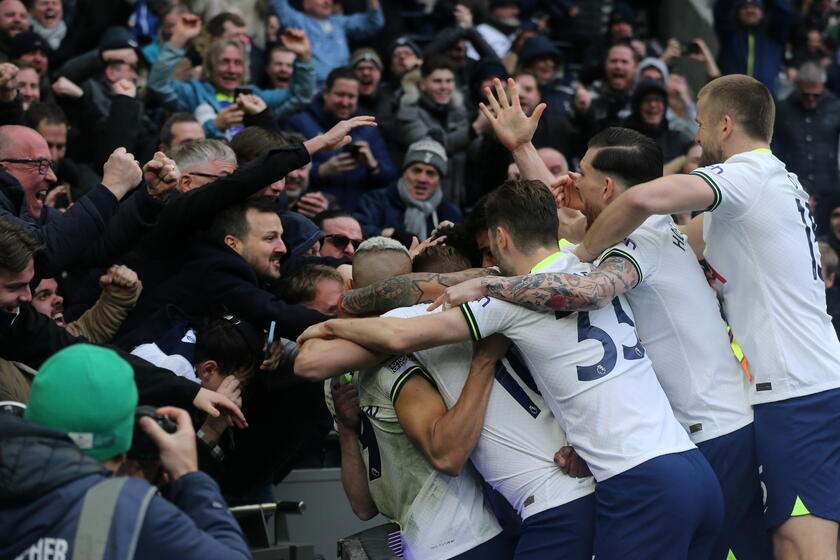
x=201, y=200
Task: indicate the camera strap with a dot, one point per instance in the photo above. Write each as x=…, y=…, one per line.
x=97, y=516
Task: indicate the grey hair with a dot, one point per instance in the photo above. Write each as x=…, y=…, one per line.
x=198, y=152
x=214, y=53
x=381, y=243
x=812, y=73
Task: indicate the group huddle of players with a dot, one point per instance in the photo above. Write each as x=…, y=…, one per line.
x=617, y=347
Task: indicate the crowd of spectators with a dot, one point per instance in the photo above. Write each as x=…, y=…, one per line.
x=189, y=180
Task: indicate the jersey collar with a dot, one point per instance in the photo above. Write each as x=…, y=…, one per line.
x=546, y=261
x=763, y=150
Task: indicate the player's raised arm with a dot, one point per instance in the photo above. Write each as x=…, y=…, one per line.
x=395, y=336
x=666, y=195
x=550, y=291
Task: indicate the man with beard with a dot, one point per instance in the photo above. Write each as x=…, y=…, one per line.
x=13, y=20
x=609, y=101
x=650, y=102
x=759, y=239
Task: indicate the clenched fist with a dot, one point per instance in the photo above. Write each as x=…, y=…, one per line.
x=161, y=175
x=120, y=278
x=121, y=173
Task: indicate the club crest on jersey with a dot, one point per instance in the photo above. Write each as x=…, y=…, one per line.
x=396, y=365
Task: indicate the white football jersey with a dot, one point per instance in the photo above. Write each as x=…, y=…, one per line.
x=760, y=241
x=679, y=324
x=515, y=453
x=594, y=374
x=440, y=516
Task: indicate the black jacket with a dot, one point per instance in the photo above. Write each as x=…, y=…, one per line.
x=216, y=279
x=33, y=337
x=163, y=252
x=91, y=233
x=807, y=141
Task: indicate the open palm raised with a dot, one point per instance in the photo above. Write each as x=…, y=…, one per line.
x=512, y=126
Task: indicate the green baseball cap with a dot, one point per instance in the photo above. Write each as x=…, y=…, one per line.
x=87, y=392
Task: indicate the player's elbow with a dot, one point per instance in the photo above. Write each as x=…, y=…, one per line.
x=450, y=463
x=309, y=366
x=639, y=201
x=365, y=512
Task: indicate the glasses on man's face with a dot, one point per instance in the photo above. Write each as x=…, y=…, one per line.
x=42, y=163
x=340, y=241
x=207, y=175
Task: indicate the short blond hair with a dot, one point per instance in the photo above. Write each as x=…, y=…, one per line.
x=746, y=100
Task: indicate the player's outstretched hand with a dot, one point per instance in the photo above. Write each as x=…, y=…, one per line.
x=338, y=136
x=512, y=126
x=571, y=463
x=469, y=290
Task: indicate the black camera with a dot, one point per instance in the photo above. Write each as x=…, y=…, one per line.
x=690, y=48
x=142, y=446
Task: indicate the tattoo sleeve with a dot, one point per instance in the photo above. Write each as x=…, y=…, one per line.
x=403, y=291
x=555, y=291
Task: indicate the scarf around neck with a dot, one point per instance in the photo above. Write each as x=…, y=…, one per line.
x=417, y=212
x=52, y=35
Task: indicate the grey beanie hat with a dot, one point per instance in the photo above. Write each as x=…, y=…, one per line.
x=429, y=151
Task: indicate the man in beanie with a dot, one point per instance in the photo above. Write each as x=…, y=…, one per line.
x=376, y=97
x=58, y=462
x=752, y=36
x=414, y=205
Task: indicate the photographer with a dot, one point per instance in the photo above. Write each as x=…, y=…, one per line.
x=57, y=466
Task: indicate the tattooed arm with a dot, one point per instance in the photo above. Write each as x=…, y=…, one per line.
x=403, y=291
x=551, y=291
